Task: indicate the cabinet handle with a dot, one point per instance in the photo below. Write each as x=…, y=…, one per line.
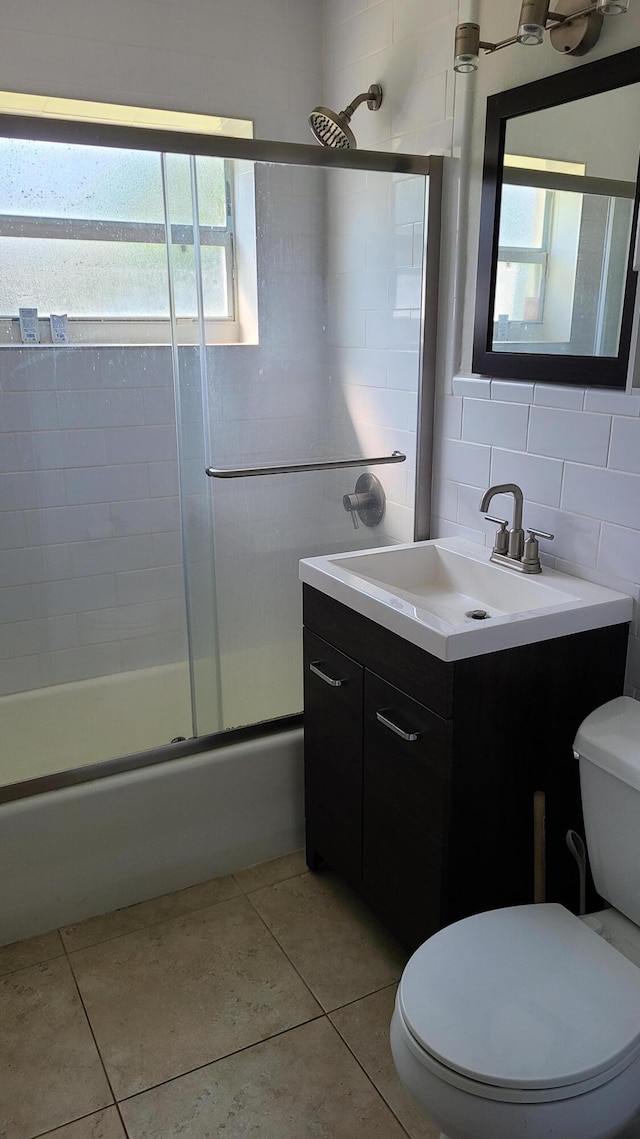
x=409, y=736
x=313, y=666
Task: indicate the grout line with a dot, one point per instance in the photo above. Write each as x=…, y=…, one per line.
x=348, y=1004
x=151, y=924
x=225, y=1056
x=95, y=1041
x=375, y=1087
x=327, y=1012
x=78, y=1119
x=33, y=965
x=283, y=950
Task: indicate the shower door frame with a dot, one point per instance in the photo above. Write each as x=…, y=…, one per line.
x=282, y=153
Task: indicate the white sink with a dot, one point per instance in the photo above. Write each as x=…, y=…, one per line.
x=447, y=597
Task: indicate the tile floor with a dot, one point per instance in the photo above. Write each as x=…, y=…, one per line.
x=253, y=1005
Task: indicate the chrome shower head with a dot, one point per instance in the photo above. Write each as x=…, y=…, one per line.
x=332, y=129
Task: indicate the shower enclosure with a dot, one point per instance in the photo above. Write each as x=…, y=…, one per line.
x=262, y=311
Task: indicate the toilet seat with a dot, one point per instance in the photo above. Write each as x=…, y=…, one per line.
x=525, y=1004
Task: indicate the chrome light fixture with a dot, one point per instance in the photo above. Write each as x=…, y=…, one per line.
x=574, y=28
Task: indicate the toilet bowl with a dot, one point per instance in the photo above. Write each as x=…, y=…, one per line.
x=520, y=1022
x=523, y=1023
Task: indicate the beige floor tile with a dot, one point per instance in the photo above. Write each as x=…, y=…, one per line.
x=131, y=918
x=301, y=1085
x=268, y=873
x=33, y=951
x=102, y=1125
x=334, y=941
x=365, y=1027
x=185, y=992
x=51, y=1070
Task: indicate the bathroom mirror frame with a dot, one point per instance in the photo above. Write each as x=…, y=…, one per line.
x=607, y=74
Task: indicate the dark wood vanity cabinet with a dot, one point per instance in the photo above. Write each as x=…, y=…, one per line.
x=420, y=774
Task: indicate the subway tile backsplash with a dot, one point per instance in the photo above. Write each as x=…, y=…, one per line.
x=578, y=466
x=572, y=435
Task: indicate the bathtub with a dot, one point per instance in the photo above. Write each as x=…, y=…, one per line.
x=73, y=725
x=95, y=846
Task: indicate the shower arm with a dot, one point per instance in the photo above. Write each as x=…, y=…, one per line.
x=287, y=468
x=348, y=111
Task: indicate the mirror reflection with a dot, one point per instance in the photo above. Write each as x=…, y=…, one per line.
x=568, y=187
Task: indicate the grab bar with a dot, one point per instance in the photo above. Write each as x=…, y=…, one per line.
x=333, y=464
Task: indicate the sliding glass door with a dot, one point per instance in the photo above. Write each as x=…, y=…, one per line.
x=163, y=313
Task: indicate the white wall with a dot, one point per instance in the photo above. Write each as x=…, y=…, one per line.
x=256, y=59
x=405, y=45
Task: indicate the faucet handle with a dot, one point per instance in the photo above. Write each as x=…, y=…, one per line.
x=501, y=540
x=531, y=554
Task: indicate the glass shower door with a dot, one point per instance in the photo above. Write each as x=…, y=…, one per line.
x=333, y=373
x=193, y=311
x=97, y=512
x=194, y=200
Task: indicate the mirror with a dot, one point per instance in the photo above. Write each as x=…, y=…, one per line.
x=556, y=287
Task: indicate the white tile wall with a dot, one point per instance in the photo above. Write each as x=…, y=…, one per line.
x=464, y=462
x=554, y=395
x=573, y=435
x=80, y=565
x=579, y=471
x=405, y=45
x=539, y=478
x=625, y=445
x=486, y=420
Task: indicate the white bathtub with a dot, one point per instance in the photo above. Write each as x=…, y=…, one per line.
x=64, y=726
x=87, y=849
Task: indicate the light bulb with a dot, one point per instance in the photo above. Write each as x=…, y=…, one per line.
x=530, y=34
x=533, y=21
x=612, y=7
x=467, y=48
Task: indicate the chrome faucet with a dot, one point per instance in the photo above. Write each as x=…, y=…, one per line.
x=509, y=547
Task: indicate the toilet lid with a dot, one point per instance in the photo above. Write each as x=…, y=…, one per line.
x=526, y=997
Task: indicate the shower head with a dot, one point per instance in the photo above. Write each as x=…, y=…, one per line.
x=332, y=129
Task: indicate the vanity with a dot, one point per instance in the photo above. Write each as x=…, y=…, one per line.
x=429, y=728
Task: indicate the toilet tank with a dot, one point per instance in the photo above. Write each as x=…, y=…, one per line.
x=608, y=748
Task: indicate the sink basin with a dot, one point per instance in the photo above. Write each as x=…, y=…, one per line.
x=447, y=597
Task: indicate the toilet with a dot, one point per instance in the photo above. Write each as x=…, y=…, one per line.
x=524, y=1023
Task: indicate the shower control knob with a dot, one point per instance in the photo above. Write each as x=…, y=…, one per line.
x=366, y=502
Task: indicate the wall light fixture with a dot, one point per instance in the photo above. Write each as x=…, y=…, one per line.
x=573, y=26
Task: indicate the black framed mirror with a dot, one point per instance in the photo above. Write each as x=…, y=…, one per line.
x=556, y=286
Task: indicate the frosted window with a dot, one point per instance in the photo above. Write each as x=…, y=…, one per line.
x=82, y=231
x=53, y=179
x=111, y=279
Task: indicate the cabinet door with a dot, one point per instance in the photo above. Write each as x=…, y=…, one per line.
x=333, y=756
x=405, y=780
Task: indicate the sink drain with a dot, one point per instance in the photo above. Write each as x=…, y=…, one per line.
x=477, y=614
